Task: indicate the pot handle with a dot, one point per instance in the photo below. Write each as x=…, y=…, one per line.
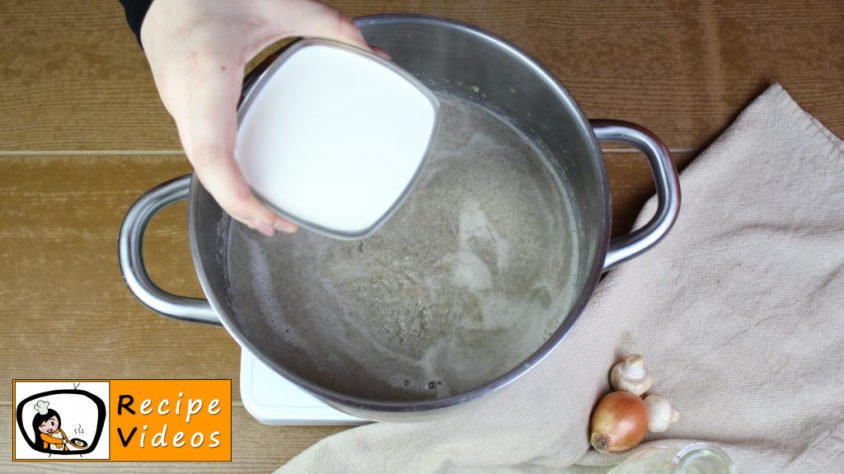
x=667, y=188
x=130, y=252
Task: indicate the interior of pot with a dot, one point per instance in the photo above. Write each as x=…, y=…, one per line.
x=480, y=271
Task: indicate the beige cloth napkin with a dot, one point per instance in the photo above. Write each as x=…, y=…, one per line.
x=739, y=313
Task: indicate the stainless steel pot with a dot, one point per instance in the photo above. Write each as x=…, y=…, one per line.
x=460, y=59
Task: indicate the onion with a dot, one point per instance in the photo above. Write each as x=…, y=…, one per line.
x=619, y=422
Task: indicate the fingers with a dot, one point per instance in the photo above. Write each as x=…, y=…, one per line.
x=209, y=134
x=209, y=127
x=315, y=19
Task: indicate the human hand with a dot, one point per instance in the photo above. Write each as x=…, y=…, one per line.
x=197, y=51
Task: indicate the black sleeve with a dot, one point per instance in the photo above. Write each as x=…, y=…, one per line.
x=136, y=10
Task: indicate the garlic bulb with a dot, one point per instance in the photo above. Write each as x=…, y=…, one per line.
x=619, y=422
x=631, y=375
x=660, y=413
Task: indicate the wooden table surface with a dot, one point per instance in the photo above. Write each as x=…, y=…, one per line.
x=83, y=134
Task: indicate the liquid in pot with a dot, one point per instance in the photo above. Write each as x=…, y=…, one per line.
x=466, y=280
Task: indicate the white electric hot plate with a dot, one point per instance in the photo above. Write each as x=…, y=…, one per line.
x=273, y=400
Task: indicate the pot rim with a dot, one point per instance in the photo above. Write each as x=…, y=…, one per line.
x=590, y=281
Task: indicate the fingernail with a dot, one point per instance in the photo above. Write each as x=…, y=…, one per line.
x=262, y=227
x=285, y=226
x=380, y=52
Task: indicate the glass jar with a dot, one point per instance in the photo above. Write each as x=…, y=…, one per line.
x=696, y=458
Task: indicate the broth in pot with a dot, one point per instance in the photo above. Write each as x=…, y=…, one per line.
x=470, y=276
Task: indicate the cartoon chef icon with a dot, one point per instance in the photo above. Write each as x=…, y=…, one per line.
x=47, y=424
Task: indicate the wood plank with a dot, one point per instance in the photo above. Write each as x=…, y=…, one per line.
x=255, y=448
x=62, y=289
x=682, y=69
x=74, y=79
